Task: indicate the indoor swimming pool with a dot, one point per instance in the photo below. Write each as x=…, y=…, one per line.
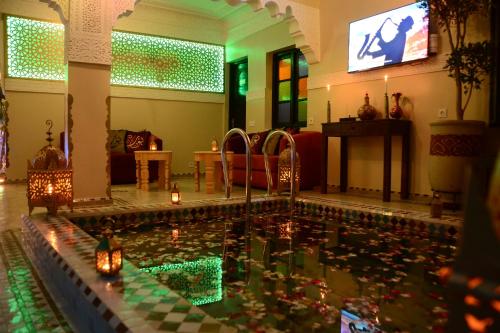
x=305, y=274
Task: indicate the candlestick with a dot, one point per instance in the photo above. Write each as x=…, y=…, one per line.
x=328, y=112
x=386, y=106
x=385, y=79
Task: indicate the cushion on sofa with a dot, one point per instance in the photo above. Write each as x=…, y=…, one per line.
x=236, y=144
x=117, y=140
x=257, y=140
x=137, y=141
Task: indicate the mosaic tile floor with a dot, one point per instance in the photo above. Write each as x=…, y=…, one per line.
x=24, y=302
x=13, y=204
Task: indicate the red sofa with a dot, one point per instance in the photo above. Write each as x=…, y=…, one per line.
x=123, y=144
x=308, y=146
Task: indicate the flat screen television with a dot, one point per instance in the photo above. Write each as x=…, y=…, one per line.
x=394, y=37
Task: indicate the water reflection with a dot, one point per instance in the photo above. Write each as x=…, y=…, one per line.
x=297, y=274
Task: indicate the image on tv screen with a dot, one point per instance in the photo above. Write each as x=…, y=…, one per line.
x=393, y=37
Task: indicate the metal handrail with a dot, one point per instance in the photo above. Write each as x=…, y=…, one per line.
x=248, y=183
x=292, y=167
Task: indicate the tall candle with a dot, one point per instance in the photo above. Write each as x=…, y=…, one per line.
x=328, y=107
x=385, y=79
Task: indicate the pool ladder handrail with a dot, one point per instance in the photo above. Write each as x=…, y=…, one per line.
x=248, y=183
x=292, y=166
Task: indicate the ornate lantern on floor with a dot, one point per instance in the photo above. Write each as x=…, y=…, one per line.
x=108, y=255
x=285, y=171
x=175, y=195
x=50, y=178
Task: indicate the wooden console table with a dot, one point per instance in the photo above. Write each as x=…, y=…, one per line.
x=380, y=127
x=142, y=158
x=213, y=170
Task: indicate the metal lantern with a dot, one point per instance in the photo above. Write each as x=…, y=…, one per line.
x=175, y=195
x=50, y=178
x=108, y=255
x=152, y=145
x=285, y=171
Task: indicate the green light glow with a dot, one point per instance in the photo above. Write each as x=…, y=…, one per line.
x=159, y=62
x=199, y=281
x=35, y=49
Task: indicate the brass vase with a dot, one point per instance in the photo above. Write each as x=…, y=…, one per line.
x=366, y=111
x=396, y=111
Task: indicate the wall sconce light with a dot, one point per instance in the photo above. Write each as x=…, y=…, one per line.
x=175, y=195
x=108, y=255
x=214, y=145
x=50, y=178
x=285, y=171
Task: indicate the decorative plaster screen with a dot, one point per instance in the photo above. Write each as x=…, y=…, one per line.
x=159, y=62
x=35, y=49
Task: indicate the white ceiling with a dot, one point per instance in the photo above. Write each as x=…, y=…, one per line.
x=207, y=8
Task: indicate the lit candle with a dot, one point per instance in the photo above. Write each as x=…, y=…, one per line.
x=152, y=146
x=385, y=79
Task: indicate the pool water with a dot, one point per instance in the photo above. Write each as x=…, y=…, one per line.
x=277, y=274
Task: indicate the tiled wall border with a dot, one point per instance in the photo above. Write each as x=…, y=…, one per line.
x=138, y=216
x=64, y=255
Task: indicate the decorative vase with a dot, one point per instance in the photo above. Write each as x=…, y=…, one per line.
x=366, y=111
x=396, y=111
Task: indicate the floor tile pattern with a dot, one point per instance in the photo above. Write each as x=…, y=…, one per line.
x=134, y=302
x=25, y=305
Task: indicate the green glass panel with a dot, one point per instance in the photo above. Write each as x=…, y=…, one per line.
x=242, y=79
x=159, y=62
x=284, y=69
x=35, y=49
x=302, y=110
x=284, y=91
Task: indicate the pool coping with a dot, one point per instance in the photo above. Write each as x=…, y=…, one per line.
x=71, y=250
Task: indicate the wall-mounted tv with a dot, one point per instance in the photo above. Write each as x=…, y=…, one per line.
x=389, y=38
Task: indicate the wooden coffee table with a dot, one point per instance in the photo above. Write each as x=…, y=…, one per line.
x=142, y=158
x=213, y=170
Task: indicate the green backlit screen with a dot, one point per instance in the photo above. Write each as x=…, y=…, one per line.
x=36, y=51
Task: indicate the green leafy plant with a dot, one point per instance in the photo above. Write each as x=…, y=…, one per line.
x=468, y=61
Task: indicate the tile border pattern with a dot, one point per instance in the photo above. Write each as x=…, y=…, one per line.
x=128, y=302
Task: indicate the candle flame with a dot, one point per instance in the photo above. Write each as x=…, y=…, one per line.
x=328, y=87
x=385, y=78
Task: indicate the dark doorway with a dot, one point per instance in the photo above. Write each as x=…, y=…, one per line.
x=238, y=87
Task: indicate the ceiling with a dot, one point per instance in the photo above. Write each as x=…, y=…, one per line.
x=207, y=8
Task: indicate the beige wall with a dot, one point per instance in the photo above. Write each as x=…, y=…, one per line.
x=29, y=109
x=27, y=115
x=256, y=48
x=183, y=126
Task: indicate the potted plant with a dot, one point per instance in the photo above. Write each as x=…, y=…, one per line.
x=455, y=142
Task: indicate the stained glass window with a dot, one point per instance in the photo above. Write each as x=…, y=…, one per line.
x=290, y=73
x=159, y=62
x=35, y=50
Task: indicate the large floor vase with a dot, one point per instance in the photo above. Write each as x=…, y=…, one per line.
x=454, y=144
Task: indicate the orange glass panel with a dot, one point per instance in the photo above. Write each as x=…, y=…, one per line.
x=285, y=69
x=303, y=88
